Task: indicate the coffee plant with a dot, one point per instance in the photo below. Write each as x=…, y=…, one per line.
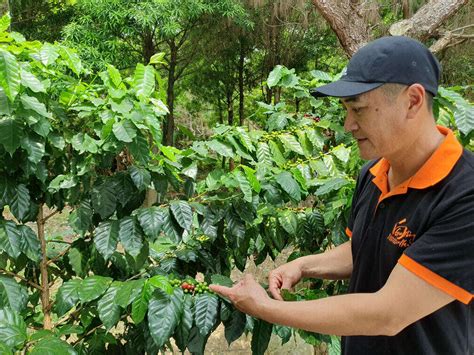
x=134, y=274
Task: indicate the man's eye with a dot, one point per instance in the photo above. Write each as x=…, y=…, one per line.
x=357, y=109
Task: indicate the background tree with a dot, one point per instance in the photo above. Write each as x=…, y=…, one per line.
x=109, y=31
x=41, y=20
x=347, y=20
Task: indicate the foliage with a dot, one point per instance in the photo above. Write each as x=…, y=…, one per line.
x=77, y=140
x=41, y=19
x=454, y=111
x=90, y=143
x=123, y=32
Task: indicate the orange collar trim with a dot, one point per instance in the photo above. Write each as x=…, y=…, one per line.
x=435, y=169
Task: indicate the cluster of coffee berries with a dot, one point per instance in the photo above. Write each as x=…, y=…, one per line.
x=191, y=286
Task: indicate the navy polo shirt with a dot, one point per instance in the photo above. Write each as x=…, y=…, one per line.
x=426, y=224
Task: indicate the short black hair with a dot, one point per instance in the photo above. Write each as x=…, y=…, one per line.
x=391, y=91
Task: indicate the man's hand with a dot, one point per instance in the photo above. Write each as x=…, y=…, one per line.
x=247, y=295
x=284, y=277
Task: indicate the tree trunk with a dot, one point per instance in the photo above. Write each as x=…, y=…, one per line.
x=344, y=19
x=425, y=22
x=406, y=8
x=277, y=95
x=4, y=7
x=45, y=301
x=269, y=95
x=230, y=120
x=241, y=82
x=353, y=31
x=219, y=107
x=148, y=47
x=230, y=109
x=168, y=126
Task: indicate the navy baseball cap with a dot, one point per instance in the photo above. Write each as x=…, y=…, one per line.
x=396, y=59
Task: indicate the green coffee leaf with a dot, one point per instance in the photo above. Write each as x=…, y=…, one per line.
x=12, y=294
x=29, y=243
x=289, y=222
x=250, y=174
x=151, y=220
x=106, y=238
x=93, y=287
x=124, y=131
x=48, y=54
x=221, y=280
x=11, y=132
x=20, y=203
x=35, y=148
x=81, y=218
x=72, y=59
x=62, y=182
x=67, y=296
x=140, y=177
x=52, y=346
x=183, y=330
x=289, y=185
x=31, y=81
x=261, y=334
x=9, y=74
x=331, y=184
x=130, y=236
x=109, y=311
x=104, y=199
x=234, y=326
x=10, y=239
x=164, y=313
x=12, y=328
x=128, y=292
x=161, y=282
x=290, y=143
x=334, y=347
x=220, y=148
x=206, y=310
x=244, y=185
x=32, y=103
x=183, y=213
x=140, y=304
x=263, y=153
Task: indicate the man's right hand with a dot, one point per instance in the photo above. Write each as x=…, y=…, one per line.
x=284, y=277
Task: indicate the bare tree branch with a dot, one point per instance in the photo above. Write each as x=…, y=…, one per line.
x=31, y=283
x=423, y=24
x=353, y=31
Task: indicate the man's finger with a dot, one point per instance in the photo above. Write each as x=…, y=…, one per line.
x=286, y=284
x=275, y=292
x=274, y=284
x=221, y=290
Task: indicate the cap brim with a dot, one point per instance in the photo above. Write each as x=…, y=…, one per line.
x=342, y=88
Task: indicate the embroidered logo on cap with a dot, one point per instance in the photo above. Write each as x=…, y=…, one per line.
x=401, y=235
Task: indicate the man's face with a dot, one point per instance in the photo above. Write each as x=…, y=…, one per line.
x=376, y=122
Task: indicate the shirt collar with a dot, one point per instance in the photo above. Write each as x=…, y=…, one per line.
x=435, y=169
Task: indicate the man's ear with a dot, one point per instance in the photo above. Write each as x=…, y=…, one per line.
x=416, y=97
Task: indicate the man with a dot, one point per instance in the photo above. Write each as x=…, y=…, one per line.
x=411, y=248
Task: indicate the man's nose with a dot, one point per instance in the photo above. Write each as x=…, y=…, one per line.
x=350, y=123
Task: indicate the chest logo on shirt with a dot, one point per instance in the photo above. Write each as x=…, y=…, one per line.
x=401, y=236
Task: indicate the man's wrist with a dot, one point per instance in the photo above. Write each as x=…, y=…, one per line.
x=267, y=309
x=305, y=267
